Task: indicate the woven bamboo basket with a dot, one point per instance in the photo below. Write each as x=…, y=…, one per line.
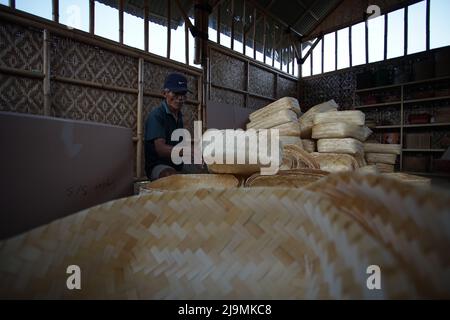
x=307, y=120
x=409, y=178
x=279, y=118
x=344, y=145
x=236, y=151
x=257, y=243
x=382, y=148
x=190, y=182
x=355, y=117
x=286, y=140
x=388, y=158
x=333, y=162
x=339, y=130
x=286, y=103
x=289, y=179
x=300, y=158
x=385, y=168
x=309, y=145
x=289, y=129
x=372, y=169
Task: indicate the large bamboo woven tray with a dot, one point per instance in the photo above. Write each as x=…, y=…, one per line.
x=289, y=178
x=409, y=178
x=335, y=162
x=261, y=243
x=191, y=182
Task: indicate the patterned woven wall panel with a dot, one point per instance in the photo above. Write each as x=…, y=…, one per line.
x=154, y=76
x=21, y=95
x=227, y=71
x=228, y=97
x=286, y=88
x=257, y=103
x=261, y=82
x=21, y=47
x=339, y=87
x=80, y=61
x=89, y=104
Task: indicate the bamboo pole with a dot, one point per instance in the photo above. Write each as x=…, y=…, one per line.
x=146, y=26
x=139, y=119
x=91, y=17
x=22, y=73
x=46, y=65
x=121, y=14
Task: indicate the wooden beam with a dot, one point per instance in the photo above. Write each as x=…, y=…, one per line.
x=323, y=54
x=55, y=10
x=311, y=50
x=269, y=14
x=146, y=26
x=91, y=16
x=12, y=3
x=259, y=18
x=309, y=10
x=121, y=14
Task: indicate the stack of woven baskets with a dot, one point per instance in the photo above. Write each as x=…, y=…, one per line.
x=339, y=136
x=281, y=115
x=383, y=156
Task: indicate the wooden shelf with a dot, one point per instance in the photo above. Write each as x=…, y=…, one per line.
x=424, y=150
x=378, y=105
x=403, y=84
x=446, y=124
x=429, y=174
x=427, y=99
x=387, y=127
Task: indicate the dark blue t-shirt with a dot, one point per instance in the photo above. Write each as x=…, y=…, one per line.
x=160, y=124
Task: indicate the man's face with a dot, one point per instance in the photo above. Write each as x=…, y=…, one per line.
x=175, y=101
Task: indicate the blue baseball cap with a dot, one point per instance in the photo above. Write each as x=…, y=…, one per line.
x=176, y=82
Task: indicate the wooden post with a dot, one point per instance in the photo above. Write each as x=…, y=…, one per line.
x=367, y=40
x=91, y=16
x=55, y=10
x=46, y=65
x=218, y=23
x=232, y=25
x=350, y=46
x=12, y=3
x=428, y=23
x=186, y=42
x=169, y=26
x=254, y=33
x=146, y=27
x=406, y=31
x=140, y=119
x=121, y=6
x=336, y=50
x=264, y=38
x=247, y=81
x=386, y=29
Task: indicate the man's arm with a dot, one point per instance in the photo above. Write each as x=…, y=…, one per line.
x=162, y=149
